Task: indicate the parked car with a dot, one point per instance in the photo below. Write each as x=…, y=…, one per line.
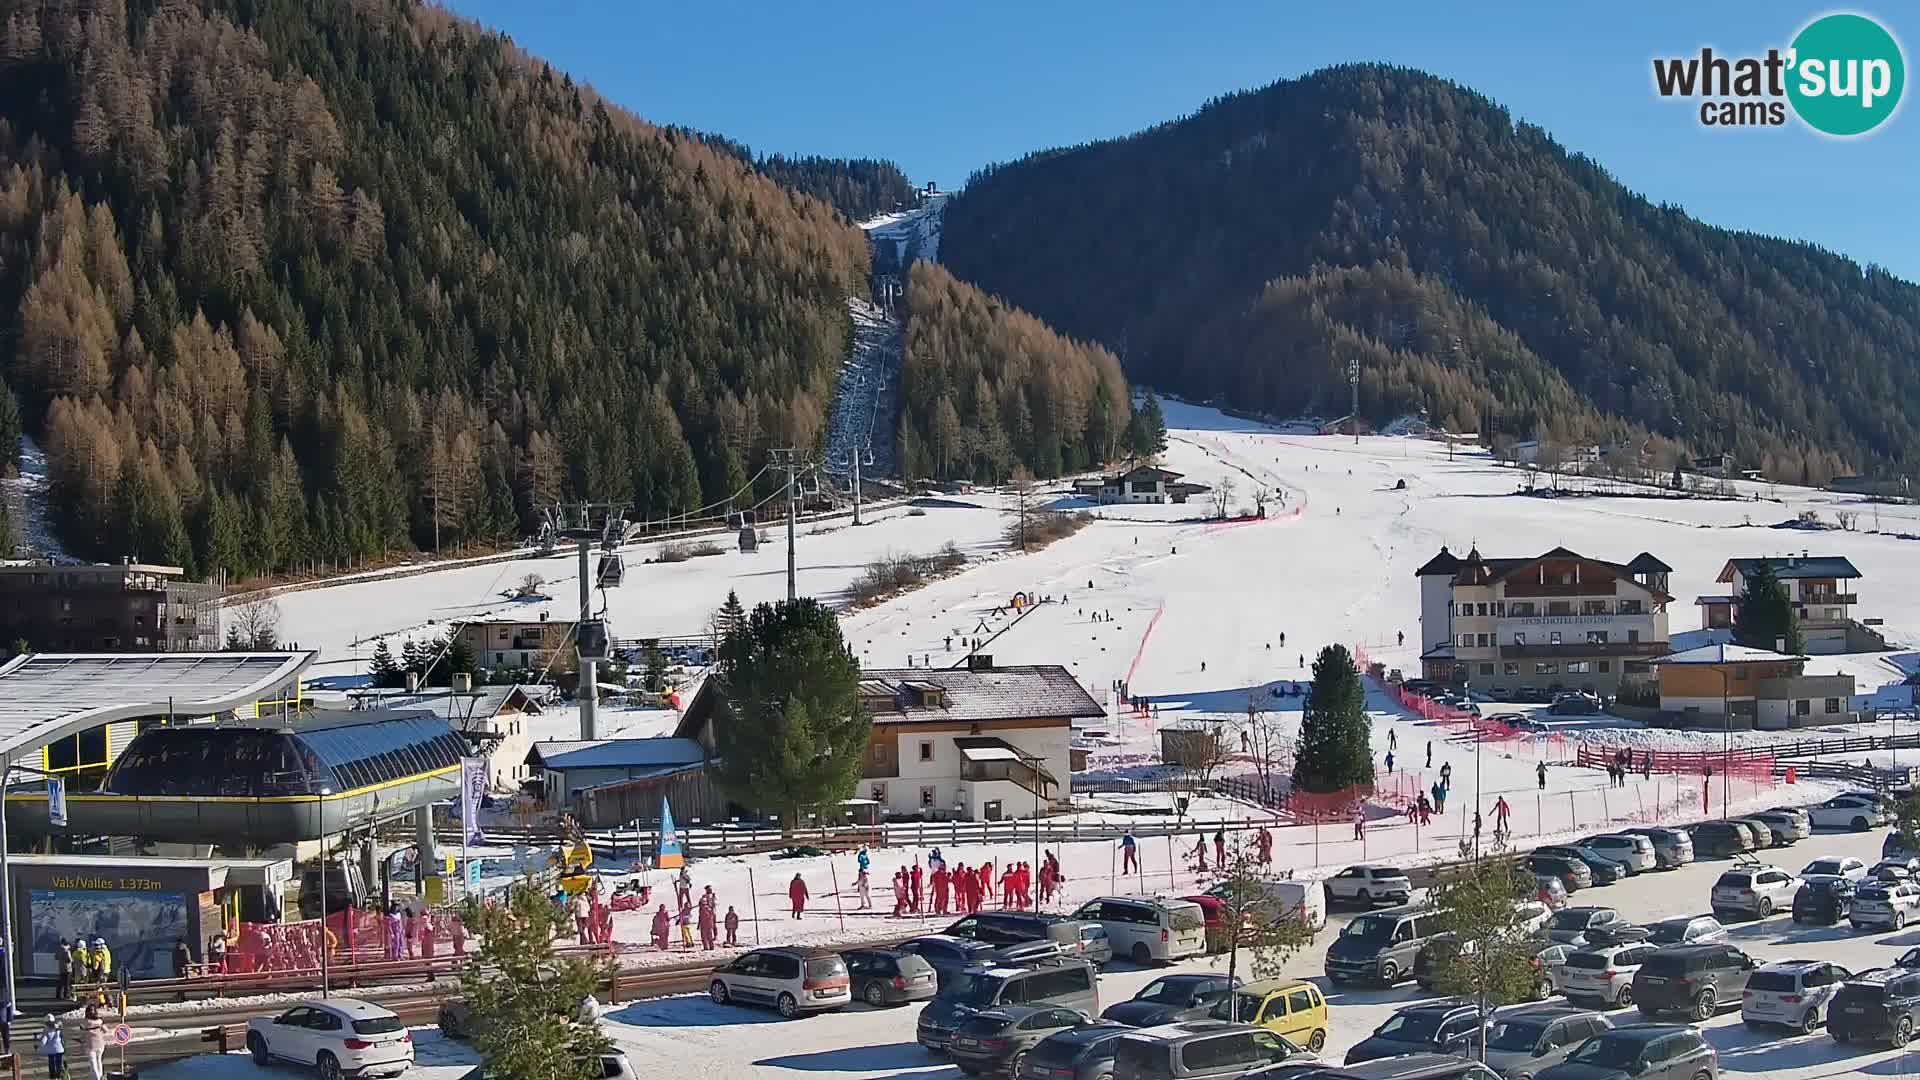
x=1697, y=980
x=1835, y=866
x=1552, y=891
x=1785, y=828
x=1197, y=1050
x=1148, y=930
x=1603, y=975
x=1686, y=930
x=1908, y=959
x=1758, y=890
x=1640, y=1052
x=1791, y=993
x=1171, y=998
x=948, y=956
x=996, y=1040
x=1572, y=874
x=1425, y=1028
x=1521, y=1042
x=1440, y=951
x=1549, y=965
x=1605, y=870
x=1381, y=946
x=613, y=1066
x=1879, y=1004
x=1672, y=847
x=1632, y=851
x=1068, y=982
x=1405, y=1067
x=1759, y=832
x=1570, y=927
x=1015, y=927
x=1895, y=869
x=1096, y=945
x=1532, y=915
x=1824, y=900
x=1369, y=884
x=337, y=1036
x=1885, y=904
x=1720, y=839
x=1287, y=898
x=889, y=976
x=793, y=979
x=1798, y=813
x=1078, y=1053
x=1894, y=846
x=1853, y=810
x=1291, y=1008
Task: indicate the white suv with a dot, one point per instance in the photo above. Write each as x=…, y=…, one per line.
x=1853, y=811
x=1369, y=884
x=1633, y=852
x=338, y=1036
x=1791, y=993
x=1758, y=890
x=1884, y=903
x=1603, y=974
x=1834, y=866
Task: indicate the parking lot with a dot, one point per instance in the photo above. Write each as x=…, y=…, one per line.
x=689, y=1037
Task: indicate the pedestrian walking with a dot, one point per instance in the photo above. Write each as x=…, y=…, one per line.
x=1129, y=858
x=1220, y=848
x=1389, y=761
x=900, y=893
x=1429, y=753
x=685, y=920
x=1476, y=826
x=182, y=958
x=1501, y=812
x=941, y=879
x=1446, y=775
x=1360, y=823
x=1200, y=852
x=862, y=859
x=863, y=885
x=54, y=1046
x=95, y=1031
x=797, y=892
x=1265, y=840
x=1393, y=739
x=1540, y=773
x=913, y=886
x=217, y=953
x=733, y=926
x=661, y=922
x=1646, y=764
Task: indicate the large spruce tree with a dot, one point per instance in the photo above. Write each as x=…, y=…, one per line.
x=1336, y=735
x=527, y=1020
x=788, y=725
x=1765, y=617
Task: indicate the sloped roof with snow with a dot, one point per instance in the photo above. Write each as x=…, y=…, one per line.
x=1725, y=654
x=49, y=696
x=1040, y=691
x=1794, y=566
x=561, y=755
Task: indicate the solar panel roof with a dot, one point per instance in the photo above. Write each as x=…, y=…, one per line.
x=44, y=697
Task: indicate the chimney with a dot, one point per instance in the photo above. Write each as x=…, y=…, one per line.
x=980, y=662
x=463, y=682
x=413, y=682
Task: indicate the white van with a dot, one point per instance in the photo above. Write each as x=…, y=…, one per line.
x=1148, y=929
x=1306, y=899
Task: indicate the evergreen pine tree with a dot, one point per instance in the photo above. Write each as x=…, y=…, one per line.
x=10, y=430
x=1336, y=735
x=788, y=724
x=1764, y=616
x=411, y=659
x=386, y=673
x=236, y=641
x=1147, y=429
x=525, y=1000
x=656, y=675
x=6, y=530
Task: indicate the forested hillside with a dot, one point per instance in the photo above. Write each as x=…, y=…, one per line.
x=1475, y=266
x=286, y=281
x=986, y=386
x=857, y=187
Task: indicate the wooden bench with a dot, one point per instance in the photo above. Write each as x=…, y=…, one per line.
x=225, y=1038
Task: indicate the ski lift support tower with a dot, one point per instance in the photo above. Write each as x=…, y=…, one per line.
x=591, y=523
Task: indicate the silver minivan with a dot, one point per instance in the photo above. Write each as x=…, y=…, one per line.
x=1148, y=929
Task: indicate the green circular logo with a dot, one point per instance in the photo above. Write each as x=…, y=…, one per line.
x=1847, y=74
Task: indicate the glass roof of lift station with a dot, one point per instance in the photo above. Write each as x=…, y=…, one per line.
x=328, y=758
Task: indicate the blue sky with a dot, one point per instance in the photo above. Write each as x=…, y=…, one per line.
x=946, y=88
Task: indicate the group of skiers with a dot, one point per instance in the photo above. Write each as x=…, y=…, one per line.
x=705, y=914
x=1622, y=765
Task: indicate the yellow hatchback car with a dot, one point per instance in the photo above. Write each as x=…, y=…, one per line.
x=1294, y=1010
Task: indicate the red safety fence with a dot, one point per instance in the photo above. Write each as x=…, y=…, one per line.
x=352, y=936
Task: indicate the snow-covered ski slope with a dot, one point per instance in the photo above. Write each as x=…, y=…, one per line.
x=1334, y=564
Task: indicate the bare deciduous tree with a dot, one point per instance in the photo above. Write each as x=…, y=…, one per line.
x=255, y=625
x=1223, y=497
